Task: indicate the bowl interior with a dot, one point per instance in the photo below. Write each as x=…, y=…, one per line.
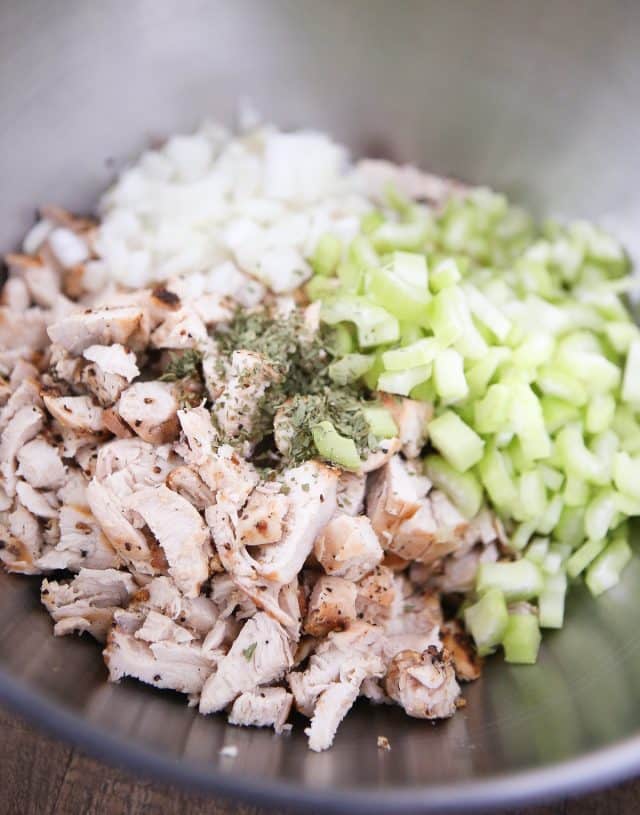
x=536, y=100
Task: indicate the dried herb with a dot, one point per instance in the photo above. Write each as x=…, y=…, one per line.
x=182, y=365
x=249, y=652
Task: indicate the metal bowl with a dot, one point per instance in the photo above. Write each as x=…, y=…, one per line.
x=537, y=99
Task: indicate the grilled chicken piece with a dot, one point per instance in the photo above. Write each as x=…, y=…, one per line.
x=332, y=706
x=348, y=547
x=24, y=426
x=391, y=499
x=264, y=707
x=113, y=359
x=180, y=329
x=199, y=435
x=466, y=662
x=189, y=485
x=40, y=504
x=376, y=596
x=248, y=378
x=137, y=463
x=350, y=493
x=40, y=279
x=107, y=388
x=166, y=663
x=387, y=449
x=81, y=544
x=22, y=539
x=261, y=521
x=424, y=684
x=412, y=418
x=125, y=325
x=23, y=330
x=229, y=476
x=198, y=615
x=415, y=610
x=180, y=531
x=40, y=464
x=261, y=654
x=436, y=529
x=150, y=409
x=78, y=413
x=87, y=602
x=332, y=606
x=25, y=394
x=458, y=574
x=15, y=295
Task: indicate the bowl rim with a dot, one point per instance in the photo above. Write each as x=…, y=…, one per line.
x=595, y=769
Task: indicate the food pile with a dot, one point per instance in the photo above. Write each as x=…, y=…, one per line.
x=284, y=431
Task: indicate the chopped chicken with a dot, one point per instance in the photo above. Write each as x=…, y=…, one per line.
x=113, y=359
x=229, y=476
x=87, y=602
x=391, y=499
x=376, y=596
x=78, y=413
x=348, y=547
x=332, y=606
x=412, y=418
x=39, y=463
x=260, y=654
x=126, y=325
x=263, y=707
x=332, y=706
x=22, y=541
x=435, y=530
x=248, y=379
x=180, y=531
x=261, y=521
x=351, y=493
x=21, y=330
x=466, y=662
x=424, y=684
x=40, y=504
x=181, y=329
x=151, y=411
x=81, y=544
x=387, y=449
x=24, y=426
x=189, y=485
x=199, y=435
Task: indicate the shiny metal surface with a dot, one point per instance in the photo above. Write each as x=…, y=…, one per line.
x=538, y=99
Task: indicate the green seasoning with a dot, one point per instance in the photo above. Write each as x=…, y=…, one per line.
x=182, y=365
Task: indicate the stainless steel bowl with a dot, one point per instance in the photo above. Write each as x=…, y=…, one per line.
x=537, y=99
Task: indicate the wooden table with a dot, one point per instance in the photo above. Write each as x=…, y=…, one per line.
x=42, y=776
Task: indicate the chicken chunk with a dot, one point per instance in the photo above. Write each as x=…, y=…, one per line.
x=261, y=521
x=40, y=504
x=263, y=707
x=332, y=606
x=229, y=476
x=125, y=325
x=199, y=434
x=82, y=543
x=350, y=493
x=78, y=413
x=113, y=359
x=180, y=531
x=332, y=706
x=411, y=418
x=261, y=654
x=189, y=485
x=180, y=329
x=25, y=394
x=423, y=684
x=22, y=542
x=376, y=596
x=391, y=499
x=150, y=409
x=348, y=547
x=23, y=330
x=87, y=602
x=23, y=427
x=436, y=529
x=466, y=662
x=40, y=464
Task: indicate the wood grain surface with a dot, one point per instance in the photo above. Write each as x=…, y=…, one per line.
x=42, y=776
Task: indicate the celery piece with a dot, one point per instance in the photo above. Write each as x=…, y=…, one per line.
x=518, y=580
x=497, y=479
x=362, y=254
x=340, y=342
x=424, y=392
x=578, y=459
x=351, y=277
x=621, y=335
x=605, y=446
x=381, y=422
x=576, y=491
x=448, y=315
x=371, y=377
x=626, y=474
x=403, y=382
x=604, y=573
x=570, y=527
x=522, y=534
x=448, y=376
x=596, y=373
x=456, y=441
x=374, y=325
x=464, y=489
x=397, y=200
x=583, y=556
x=532, y=494
x=557, y=413
x=557, y=383
x=600, y=412
x=487, y=620
x=405, y=300
x=533, y=351
x=422, y=352
x=409, y=236
x=550, y=518
x=528, y=422
x=371, y=221
x=334, y=447
x=319, y=288
x=521, y=639
x=537, y=550
x=487, y=313
x=631, y=380
x=481, y=372
x=350, y=368
x=411, y=267
x=492, y=413
x=553, y=479
x=444, y=274
x=410, y=333
x=600, y=514
x=326, y=256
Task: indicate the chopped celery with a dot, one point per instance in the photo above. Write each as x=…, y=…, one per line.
x=486, y=313
x=445, y=273
x=463, y=489
x=319, y=288
x=410, y=333
x=371, y=221
x=537, y=550
x=550, y=518
x=600, y=412
x=626, y=474
x=521, y=640
x=424, y=392
x=405, y=300
x=557, y=413
x=583, y=556
x=381, y=422
x=578, y=459
x=448, y=315
x=410, y=267
x=522, y=534
x=349, y=368
x=535, y=350
x=532, y=494
x=326, y=255
x=374, y=325
x=551, y=601
x=448, y=376
x=487, y=620
x=422, y=352
x=570, y=527
x=528, y=422
x=407, y=236
x=456, y=441
x=403, y=382
x=576, y=491
x=362, y=254
x=350, y=276
x=600, y=514
x=497, y=479
x=621, y=335
x=492, y=413
x=604, y=573
x=519, y=580
x=340, y=342
x=371, y=377
x=334, y=447
x=561, y=385
x=631, y=380
x=553, y=479
x=480, y=374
